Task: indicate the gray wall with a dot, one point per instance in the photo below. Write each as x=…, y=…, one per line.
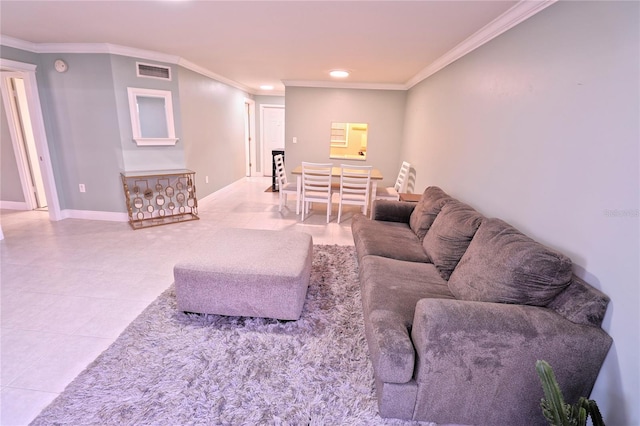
x=145, y=157
x=88, y=125
x=310, y=112
x=540, y=127
x=80, y=114
x=10, y=187
x=213, y=130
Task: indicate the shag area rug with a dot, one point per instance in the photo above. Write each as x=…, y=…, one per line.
x=173, y=368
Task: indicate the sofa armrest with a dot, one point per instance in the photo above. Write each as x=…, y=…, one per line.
x=392, y=211
x=390, y=347
x=485, y=354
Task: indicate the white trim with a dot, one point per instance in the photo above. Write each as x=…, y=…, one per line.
x=9, y=102
x=200, y=70
x=95, y=215
x=268, y=92
x=39, y=133
x=171, y=139
x=250, y=145
x=334, y=85
x=523, y=10
x=16, y=43
x=14, y=205
x=156, y=141
x=8, y=64
x=512, y=17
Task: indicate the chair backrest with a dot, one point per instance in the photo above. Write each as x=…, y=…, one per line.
x=355, y=182
x=281, y=174
x=403, y=177
x=316, y=177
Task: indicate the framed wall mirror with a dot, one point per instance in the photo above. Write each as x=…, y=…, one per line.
x=348, y=141
x=151, y=117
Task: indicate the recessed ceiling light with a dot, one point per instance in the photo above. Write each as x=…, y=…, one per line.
x=266, y=87
x=339, y=73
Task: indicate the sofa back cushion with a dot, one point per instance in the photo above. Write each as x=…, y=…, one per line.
x=504, y=265
x=450, y=235
x=427, y=209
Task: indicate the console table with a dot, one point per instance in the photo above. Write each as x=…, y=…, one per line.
x=412, y=198
x=160, y=197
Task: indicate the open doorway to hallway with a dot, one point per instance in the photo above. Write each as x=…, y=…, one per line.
x=23, y=140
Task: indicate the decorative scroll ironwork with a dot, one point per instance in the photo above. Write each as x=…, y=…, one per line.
x=160, y=197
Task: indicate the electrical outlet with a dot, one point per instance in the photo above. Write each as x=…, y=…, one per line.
x=206, y=179
x=295, y=139
x=82, y=188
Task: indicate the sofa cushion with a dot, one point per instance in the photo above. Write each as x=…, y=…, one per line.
x=389, y=239
x=450, y=235
x=427, y=209
x=390, y=290
x=397, y=285
x=503, y=265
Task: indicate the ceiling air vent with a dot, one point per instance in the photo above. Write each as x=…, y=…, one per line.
x=153, y=71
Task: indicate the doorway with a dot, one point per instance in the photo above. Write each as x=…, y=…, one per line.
x=272, y=134
x=32, y=156
x=24, y=143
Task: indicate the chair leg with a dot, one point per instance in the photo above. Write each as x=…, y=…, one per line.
x=339, y=211
x=280, y=202
x=328, y=212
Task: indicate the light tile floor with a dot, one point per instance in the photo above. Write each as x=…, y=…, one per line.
x=69, y=288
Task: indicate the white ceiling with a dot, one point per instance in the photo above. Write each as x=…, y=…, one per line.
x=250, y=43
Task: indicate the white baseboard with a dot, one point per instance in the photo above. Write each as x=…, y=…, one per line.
x=13, y=205
x=95, y=215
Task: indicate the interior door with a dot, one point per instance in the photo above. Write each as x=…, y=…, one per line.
x=21, y=131
x=272, y=125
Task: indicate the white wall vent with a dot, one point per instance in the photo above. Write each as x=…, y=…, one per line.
x=153, y=71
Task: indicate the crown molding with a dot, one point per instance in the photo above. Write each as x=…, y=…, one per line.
x=200, y=70
x=341, y=85
x=18, y=44
x=268, y=93
x=16, y=66
x=520, y=12
x=523, y=10
x=114, y=49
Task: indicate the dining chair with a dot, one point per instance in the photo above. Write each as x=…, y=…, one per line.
x=284, y=186
x=355, y=184
x=316, y=186
x=393, y=192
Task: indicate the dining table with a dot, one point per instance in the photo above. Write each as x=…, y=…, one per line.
x=376, y=176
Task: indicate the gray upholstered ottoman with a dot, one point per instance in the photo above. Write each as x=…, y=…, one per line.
x=247, y=272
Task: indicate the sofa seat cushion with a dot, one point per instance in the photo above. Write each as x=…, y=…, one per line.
x=425, y=212
x=397, y=285
x=390, y=290
x=503, y=265
x=388, y=239
x=450, y=235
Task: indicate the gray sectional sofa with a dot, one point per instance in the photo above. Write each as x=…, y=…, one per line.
x=458, y=307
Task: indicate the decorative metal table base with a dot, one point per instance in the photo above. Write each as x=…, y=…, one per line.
x=160, y=197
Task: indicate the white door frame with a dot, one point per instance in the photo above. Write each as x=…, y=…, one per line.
x=26, y=154
x=249, y=136
x=265, y=154
x=28, y=74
